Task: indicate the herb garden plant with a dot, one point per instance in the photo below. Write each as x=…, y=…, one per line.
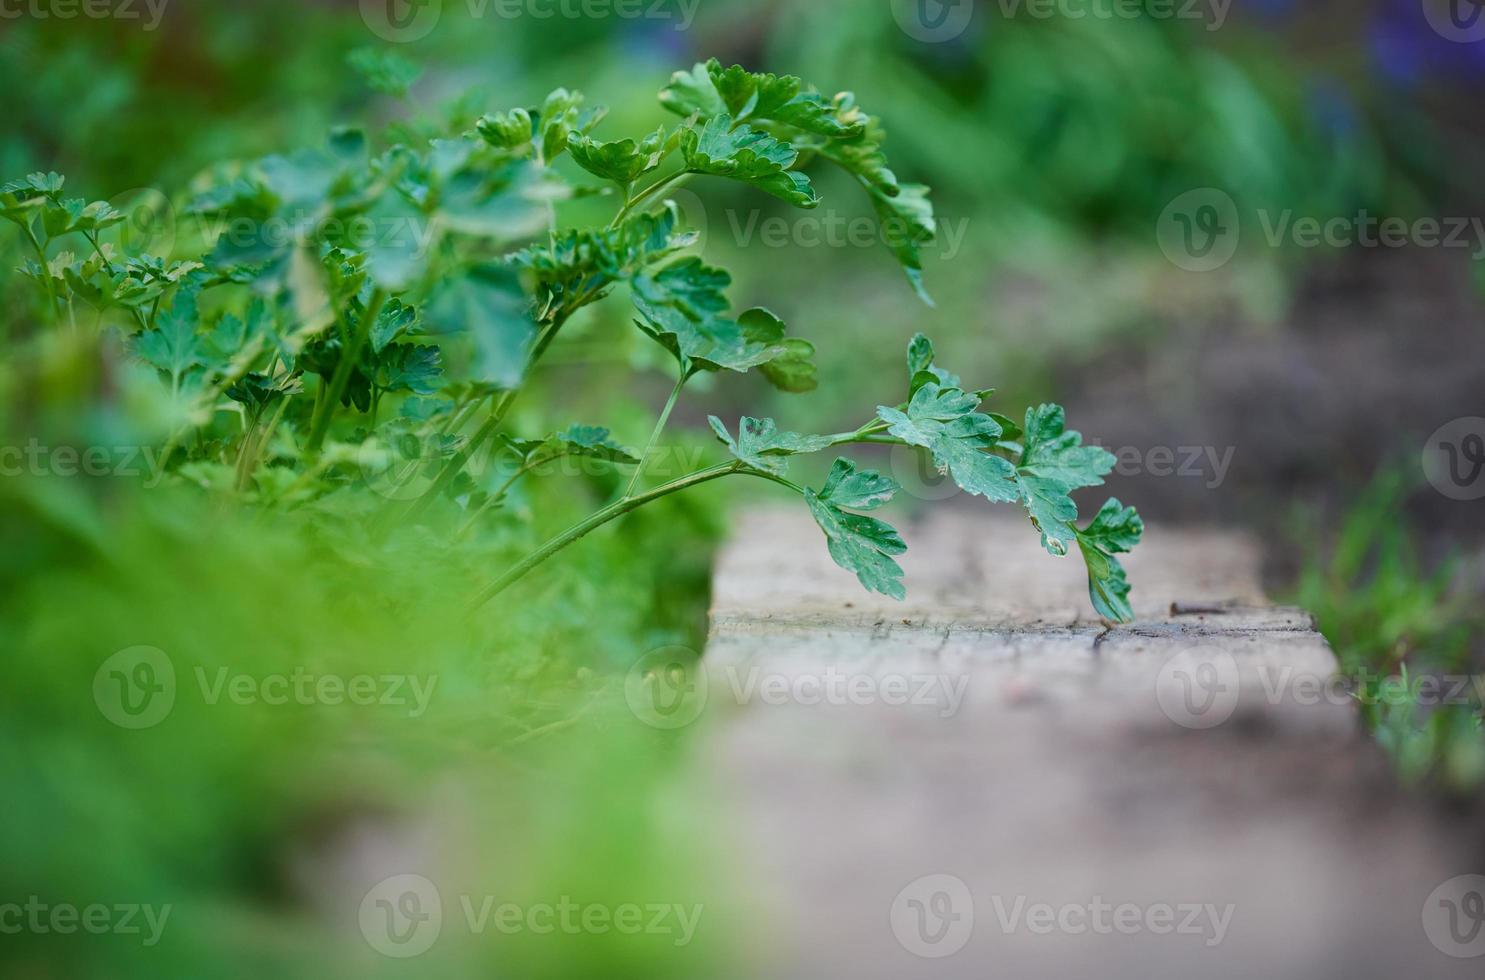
x=355, y=309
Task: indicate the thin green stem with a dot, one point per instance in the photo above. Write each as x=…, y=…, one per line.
x=652, y=190
x=610, y=513
x=774, y=478
x=258, y=441
x=108, y=266
x=496, y=497
x=868, y=433
x=46, y=273
x=245, y=450
x=872, y=440
x=349, y=354
x=644, y=457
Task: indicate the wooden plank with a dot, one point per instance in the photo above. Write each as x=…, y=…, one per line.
x=989, y=750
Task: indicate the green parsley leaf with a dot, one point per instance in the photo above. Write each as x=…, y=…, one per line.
x=692, y=93
x=762, y=446
x=1115, y=530
x=623, y=161
x=507, y=130
x=589, y=441
x=385, y=71
x=409, y=367
x=921, y=369
x=710, y=90
x=488, y=304
x=258, y=391
x=747, y=155
x=907, y=225
x=944, y=421
x=859, y=544
x=793, y=369
x=903, y=210
x=172, y=346
x=394, y=321
x=1053, y=464
x=562, y=115
x=681, y=309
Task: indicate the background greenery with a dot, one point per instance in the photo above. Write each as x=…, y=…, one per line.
x=1053, y=145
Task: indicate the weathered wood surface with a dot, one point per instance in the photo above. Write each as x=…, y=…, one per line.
x=1072, y=770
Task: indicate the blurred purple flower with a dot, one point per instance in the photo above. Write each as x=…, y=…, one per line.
x=1409, y=50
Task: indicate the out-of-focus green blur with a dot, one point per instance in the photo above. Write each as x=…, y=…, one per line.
x=498, y=753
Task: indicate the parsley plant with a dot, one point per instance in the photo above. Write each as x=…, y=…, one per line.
x=430, y=277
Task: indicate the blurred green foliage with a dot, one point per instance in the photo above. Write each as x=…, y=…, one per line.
x=1394, y=622
x=1052, y=147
